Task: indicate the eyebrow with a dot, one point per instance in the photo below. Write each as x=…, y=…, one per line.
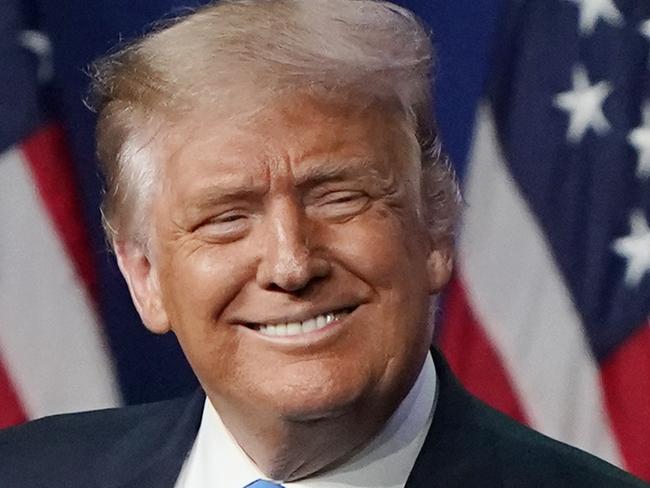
x=311, y=175
x=211, y=196
x=318, y=172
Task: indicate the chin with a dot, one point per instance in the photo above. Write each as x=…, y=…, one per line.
x=308, y=410
x=310, y=399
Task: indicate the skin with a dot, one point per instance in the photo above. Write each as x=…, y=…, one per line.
x=311, y=207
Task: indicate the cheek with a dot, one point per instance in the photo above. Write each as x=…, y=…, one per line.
x=200, y=282
x=198, y=285
x=382, y=248
x=380, y=251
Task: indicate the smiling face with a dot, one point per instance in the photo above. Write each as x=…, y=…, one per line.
x=290, y=257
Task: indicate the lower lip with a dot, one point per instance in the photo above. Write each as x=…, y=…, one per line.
x=311, y=338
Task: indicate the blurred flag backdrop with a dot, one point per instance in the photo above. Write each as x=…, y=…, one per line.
x=547, y=317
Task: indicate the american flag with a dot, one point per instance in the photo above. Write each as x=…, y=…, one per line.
x=547, y=318
x=69, y=337
x=52, y=351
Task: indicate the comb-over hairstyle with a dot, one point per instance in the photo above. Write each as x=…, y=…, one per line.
x=233, y=57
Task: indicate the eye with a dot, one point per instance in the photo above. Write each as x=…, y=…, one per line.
x=341, y=204
x=225, y=227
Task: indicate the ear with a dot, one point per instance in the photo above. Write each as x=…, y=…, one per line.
x=439, y=267
x=142, y=280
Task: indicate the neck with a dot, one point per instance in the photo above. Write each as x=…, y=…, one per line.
x=289, y=450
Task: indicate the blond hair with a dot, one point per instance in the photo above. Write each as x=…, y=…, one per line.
x=248, y=52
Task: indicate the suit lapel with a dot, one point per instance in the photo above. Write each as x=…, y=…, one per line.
x=456, y=452
x=152, y=452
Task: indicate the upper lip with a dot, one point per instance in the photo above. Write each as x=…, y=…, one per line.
x=298, y=315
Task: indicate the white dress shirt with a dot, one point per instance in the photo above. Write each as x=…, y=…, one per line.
x=217, y=461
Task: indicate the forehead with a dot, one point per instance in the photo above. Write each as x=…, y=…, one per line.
x=296, y=133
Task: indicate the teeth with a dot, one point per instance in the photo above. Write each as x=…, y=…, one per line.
x=309, y=325
x=295, y=328
x=321, y=321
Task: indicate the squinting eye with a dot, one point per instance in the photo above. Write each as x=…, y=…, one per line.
x=343, y=197
x=230, y=218
x=226, y=227
x=342, y=204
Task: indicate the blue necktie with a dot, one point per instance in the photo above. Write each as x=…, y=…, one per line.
x=263, y=484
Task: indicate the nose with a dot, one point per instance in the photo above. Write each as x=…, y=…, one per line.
x=288, y=262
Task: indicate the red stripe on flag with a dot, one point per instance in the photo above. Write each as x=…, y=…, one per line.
x=51, y=167
x=626, y=383
x=11, y=412
x=472, y=356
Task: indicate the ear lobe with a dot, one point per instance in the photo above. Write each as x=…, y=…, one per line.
x=142, y=280
x=439, y=268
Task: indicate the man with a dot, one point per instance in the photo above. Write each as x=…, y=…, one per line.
x=277, y=198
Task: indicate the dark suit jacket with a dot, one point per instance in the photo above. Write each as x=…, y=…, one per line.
x=469, y=444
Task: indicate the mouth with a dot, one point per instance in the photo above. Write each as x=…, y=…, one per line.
x=296, y=328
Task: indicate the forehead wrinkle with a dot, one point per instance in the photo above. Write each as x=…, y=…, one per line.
x=225, y=159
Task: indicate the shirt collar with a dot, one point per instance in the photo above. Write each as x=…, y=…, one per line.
x=386, y=462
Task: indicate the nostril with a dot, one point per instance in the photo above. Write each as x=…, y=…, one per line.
x=295, y=287
x=288, y=272
x=275, y=287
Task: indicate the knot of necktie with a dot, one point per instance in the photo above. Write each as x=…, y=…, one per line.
x=263, y=484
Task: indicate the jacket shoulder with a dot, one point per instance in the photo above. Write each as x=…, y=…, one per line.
x=470, y=442
x=528, y=458
x=68, y=447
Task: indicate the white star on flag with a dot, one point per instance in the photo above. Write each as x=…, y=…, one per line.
x=593, y=10
x=584, y=104
x=640, y=139
x=39, y=44
x=644, y=28
x=635, y=248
